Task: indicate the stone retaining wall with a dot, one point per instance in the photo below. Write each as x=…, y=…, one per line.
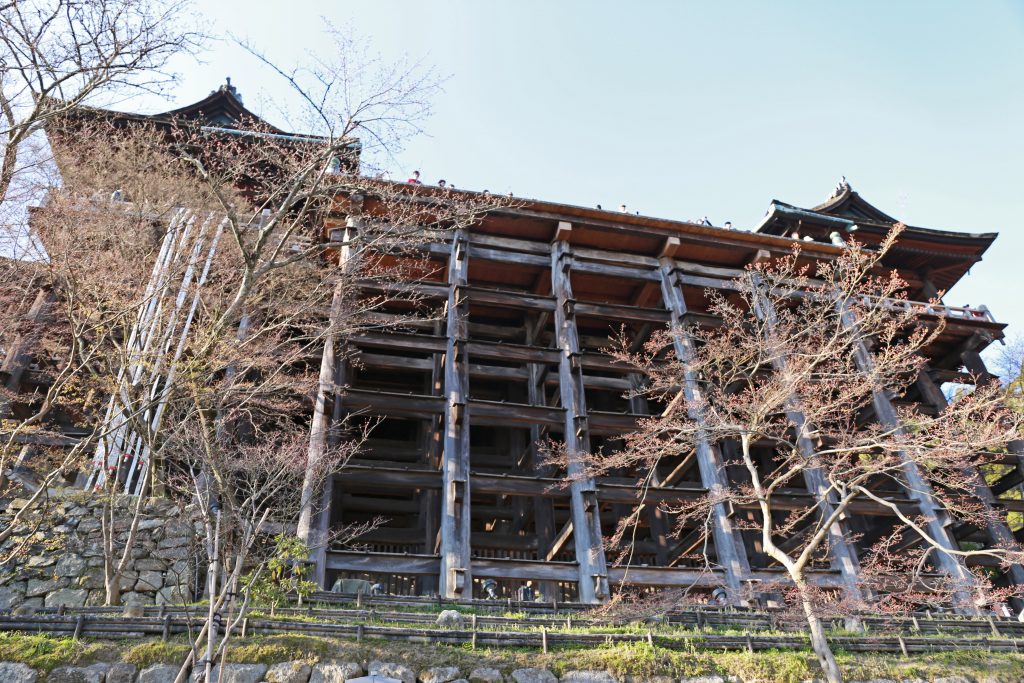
x=58, y=555
x=336, y=671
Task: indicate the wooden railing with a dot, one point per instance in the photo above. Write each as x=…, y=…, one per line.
x=965, y=313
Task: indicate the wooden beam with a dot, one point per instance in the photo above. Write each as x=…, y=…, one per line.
x=455, y=579
x=505, y=299
x=998, y=531
x=430, y=500
x=382, y=563
x=842, y=554
x=593, y=570
x=936, y=520
x=391, y=476
x=313, y=525
x=562, y=232
x=728, y=544
x=567, y=572
x=19, y=355
x=657, y=518
x=556, y=546
x=543, y=507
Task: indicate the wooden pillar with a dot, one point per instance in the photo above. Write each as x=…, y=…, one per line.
x=996, y=527
x=656, y=517
x=19, y=356
x=976, y=366
x=430, y=499
x=543, y=507
x=729, y=547
x=586, y=529
x=321, y=534
x=928, y=288
x=937, y=522
x=314, y=524
x=455, y=579
x=736, y=473
x=842, y=555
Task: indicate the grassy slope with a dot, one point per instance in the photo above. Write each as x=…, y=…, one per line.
x=44, y=652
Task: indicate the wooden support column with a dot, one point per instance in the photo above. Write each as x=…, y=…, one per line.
x=314, y=524
x=729, y=547
x=997, y=529
x=937, y=522
x=543, y=507
x=842, y=555
x=433, y=445
x=19, y=356
x=738, y=475
x=322, y=531
x=456, y=579
x=928, y=288
x=590, y=558
x=656, y=517
x=976, y=366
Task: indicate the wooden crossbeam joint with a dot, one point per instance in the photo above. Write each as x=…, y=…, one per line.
x=563, y=232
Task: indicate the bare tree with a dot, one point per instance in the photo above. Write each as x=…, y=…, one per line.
x=57, y=55
x=198, y=274
x=242, y=494
x=798, y=375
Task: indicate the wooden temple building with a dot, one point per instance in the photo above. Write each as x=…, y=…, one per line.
x=531, y=295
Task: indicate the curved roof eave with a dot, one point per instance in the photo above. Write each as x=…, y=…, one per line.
x=778, y=207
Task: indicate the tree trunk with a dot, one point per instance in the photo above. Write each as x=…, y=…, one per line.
x=819, y=643
x=113, y=588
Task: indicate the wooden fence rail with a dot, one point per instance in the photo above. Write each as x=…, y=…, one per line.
x=695, y=619
x=88, y=625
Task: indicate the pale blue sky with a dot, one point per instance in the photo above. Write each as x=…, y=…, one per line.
x=685, y=109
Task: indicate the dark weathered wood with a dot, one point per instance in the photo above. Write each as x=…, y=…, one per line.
x=485, y=412
x=512, y=352
x=656, y=516
x=323, y=405
x=318, y=547
x=511, y=244
x=399, y=341
x=996, y=528
x=608, y=269
x=385, y=475
x=728, y=545
x=382, y=563
x=936, y=521
x=526, y=570
x=392, y=404
x=543, y=507
x=455, y=578
x=19, y=355
x=503, y=256
x=420, y=290
x=495, y=412
x=505, y=299
x=593, y=571
x=842, y=554
x=430, y=499
x=619, y=313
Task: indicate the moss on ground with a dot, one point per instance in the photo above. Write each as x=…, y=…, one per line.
x=634, y=659
x=45, y=652
x=155, y=652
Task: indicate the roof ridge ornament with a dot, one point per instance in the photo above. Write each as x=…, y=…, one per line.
x=841, y=187
x=229, y=89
